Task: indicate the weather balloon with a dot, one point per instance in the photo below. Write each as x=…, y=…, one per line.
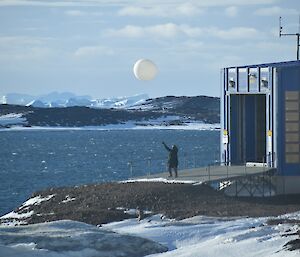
x=145, y=69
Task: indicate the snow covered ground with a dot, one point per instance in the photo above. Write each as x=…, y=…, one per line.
x=205, y=236
x=12, y=119
x=127, y=125
x=197, y=236
x=71, y=239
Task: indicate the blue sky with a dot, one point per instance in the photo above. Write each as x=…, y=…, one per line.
x=90, y=46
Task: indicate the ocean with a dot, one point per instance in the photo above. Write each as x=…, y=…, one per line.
x=32, y=160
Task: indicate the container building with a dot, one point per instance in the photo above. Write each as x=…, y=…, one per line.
x=260, y=120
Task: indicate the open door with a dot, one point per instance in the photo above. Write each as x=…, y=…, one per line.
x=247, y=128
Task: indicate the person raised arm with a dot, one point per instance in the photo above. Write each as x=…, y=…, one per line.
x=168, y=148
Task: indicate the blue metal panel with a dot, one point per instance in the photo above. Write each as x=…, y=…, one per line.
x=288, y=80
x=243, y=80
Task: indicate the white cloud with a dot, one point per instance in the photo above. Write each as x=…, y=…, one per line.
x=91, y=51
x=171, y=30
x=127, y=31
x=235, y=33
x=77, y=13
x=275, y=11
x=231, y=11
x=166, y=31
x=145, y=3
x=186, y=9
x=63, y=3
x=141, y=11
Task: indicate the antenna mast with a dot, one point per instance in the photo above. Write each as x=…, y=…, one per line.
x=288, y=34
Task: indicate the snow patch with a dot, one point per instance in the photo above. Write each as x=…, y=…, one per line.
x=19, y=216
x=16, y=215
x=12, y=119
x=160, y=180
x=68, y=199
x=36, y=200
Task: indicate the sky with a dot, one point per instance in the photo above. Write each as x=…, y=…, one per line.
x=89, y=47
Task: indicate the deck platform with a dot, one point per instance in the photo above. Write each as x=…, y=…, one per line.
x=212, y=173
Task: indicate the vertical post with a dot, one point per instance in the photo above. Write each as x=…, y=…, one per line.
x=270, y=183
x=263, y=185
x=208, y=169
x=227, y=171
x=130, y=168
x=298, y=46
x=149, y=166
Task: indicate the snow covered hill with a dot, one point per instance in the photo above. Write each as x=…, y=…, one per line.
x=68, y=99
x=164, y=112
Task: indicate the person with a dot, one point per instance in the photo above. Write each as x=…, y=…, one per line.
x=173, y=159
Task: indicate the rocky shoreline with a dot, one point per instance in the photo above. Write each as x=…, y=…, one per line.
x=103, y=203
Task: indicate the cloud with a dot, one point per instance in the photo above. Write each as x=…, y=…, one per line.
x=145, y=3
x=11, y=41
x=275, y=11
x=186, y=9
x=235, y=33
x=168, y=30
x=63, y=3
x=77, y=13
x=231, y=11
x=171, y=30
x=91, y=51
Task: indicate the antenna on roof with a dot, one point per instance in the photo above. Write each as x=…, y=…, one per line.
x=288, y=34
x=299, y=25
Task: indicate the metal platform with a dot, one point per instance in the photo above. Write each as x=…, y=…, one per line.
x=234, y=180
x=212, y=173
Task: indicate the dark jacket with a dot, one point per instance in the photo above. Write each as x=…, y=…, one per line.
x=173, y=159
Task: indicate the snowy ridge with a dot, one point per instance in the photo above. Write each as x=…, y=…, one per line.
x=67, y=99
x=120, y=102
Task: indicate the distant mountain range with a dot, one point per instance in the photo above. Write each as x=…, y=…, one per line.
x=166, y=111
x=68, y=99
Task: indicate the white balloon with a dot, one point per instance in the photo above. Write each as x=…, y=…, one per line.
x=145, y=69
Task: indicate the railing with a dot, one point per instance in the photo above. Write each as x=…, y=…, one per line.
x=150, y=166
x=252, y=178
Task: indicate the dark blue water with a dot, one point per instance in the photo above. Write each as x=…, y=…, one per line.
x=37, y=159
